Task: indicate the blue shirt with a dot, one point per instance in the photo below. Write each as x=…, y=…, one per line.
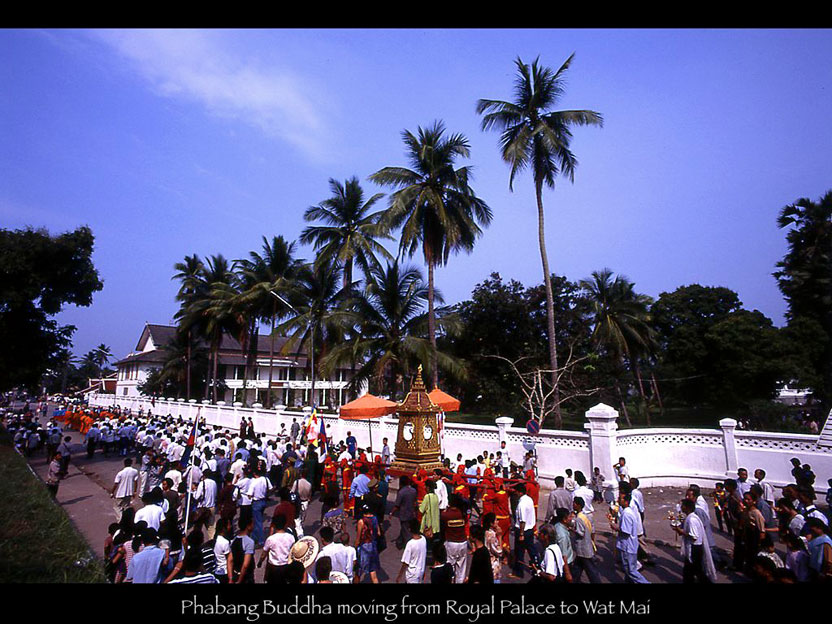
x=627, y=540
x=352, y=443
x=242, y=453
x=145, y=566
x=359, y=486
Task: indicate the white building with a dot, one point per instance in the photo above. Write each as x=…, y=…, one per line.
x=290, y=372
x=790, y=394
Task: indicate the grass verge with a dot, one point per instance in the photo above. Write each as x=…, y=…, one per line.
x=38, y=542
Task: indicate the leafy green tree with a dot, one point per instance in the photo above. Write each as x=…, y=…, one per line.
x=506, y=319
x=435, y=206
x=39, y=275
x=805, y=278
x=535, y=137
x=682, y=319
x=745, y=359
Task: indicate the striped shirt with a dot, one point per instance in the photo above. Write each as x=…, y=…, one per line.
x=203, y=578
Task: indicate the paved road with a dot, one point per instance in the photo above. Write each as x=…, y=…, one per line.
x=85, y=496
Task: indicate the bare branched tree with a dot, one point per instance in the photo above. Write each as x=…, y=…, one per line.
x=545, y=390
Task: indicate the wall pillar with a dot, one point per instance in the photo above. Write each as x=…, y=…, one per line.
x=602, y=428
x=503, y=423
x=729, y=443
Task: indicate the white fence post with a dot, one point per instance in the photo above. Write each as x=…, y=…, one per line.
x=503, y=423
x=729, y=443
x=602, y=429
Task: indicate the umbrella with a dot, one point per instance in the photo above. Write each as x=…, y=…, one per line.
x=367, y=407
x=444, y=400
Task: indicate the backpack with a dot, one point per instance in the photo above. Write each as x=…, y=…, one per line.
x=294, y=498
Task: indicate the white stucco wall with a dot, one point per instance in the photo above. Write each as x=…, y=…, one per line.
x=658, y=457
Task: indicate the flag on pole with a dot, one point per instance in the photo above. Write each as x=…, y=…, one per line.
x=322, y=436
x=189, y=445
x=313, y=427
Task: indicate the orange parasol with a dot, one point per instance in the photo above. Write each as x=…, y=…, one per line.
x=367, y=406
x=444, y=400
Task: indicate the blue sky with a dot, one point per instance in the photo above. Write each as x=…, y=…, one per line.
x=168, y=143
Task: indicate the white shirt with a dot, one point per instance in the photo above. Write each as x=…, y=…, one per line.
x=587, y=495
x=175, y=476
x=340, y=557
x=768, y=491
x=349, y=560
x=258, y=488
x=242, y=488
x=206, y=493
x=221, y=549
x=414, y=555
x=278, y=545
x=237, y=468
x=442, y=494
x=525, y=513
x=126, y=480
x=553, y=560
x=152, y=514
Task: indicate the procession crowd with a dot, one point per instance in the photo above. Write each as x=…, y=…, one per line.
x=204, y=491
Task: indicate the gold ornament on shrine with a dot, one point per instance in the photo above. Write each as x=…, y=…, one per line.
x=417, y=443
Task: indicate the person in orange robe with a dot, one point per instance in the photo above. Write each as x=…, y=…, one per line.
x=330, y=469
x=418, y=480
x=488, y=497
x=502, y=509
x=459, y=484
x=532, y=488
x=346, y=482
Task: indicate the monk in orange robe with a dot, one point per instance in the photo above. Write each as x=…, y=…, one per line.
x=502, y=509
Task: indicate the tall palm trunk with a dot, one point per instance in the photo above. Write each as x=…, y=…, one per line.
x=637, y=372
x=432, y=324
x=550, y=301
x=271, y=357
x=208, y=374
x=656, y=392
x=312, y=365
x=188, y=366
x=216, y=348
x=623, y=404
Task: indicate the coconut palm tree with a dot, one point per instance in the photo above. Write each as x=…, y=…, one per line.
x=272, y=272
x=189, y=273
x=435, y=206
x=351, y=232
x=533, y=136
x=621, y=322
x=103, y=353
x=317, y=319
x=391, y=329
x=208, y=312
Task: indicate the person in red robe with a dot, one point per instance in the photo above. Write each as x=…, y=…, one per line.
x=330, y=469
x=532, y=488
x=488, y=497
x=346, y=481
x=502, y=509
